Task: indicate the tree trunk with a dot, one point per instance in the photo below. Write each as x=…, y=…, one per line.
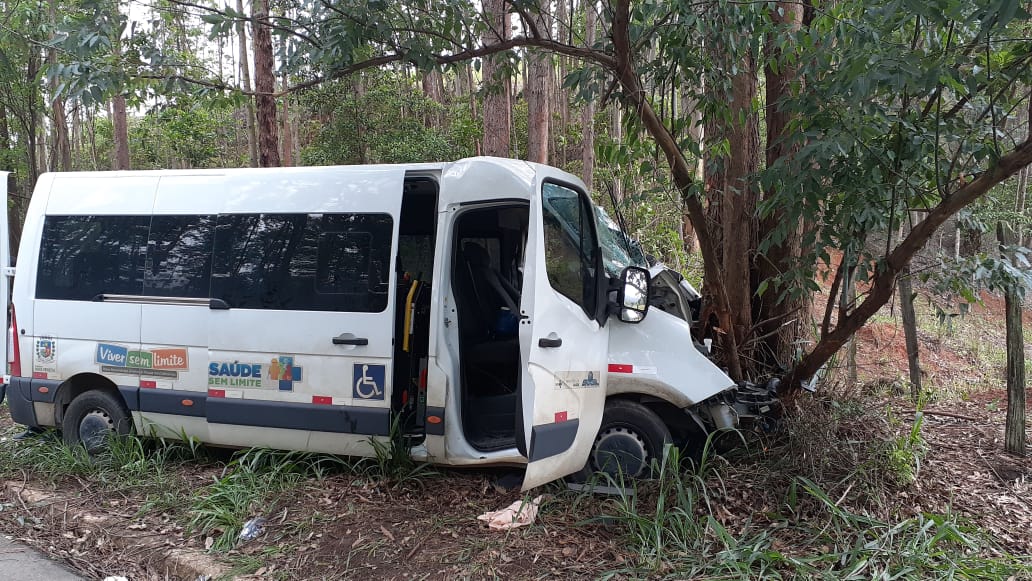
x=62, y=159
x=733, y=200
x=906, y=307
x=120, y=126
x=559, y=146
x=245, y=81
x=288, y=132
x=264, y=86
x=616, y=133
x=846, y=303
x=496, y=83
x=783, y=316
x=538, y=89
x=1014, y=428
x=588, y=113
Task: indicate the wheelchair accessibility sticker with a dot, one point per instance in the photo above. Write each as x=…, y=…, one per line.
x=368, y=381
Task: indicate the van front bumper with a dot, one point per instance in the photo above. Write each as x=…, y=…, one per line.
x=746, y=405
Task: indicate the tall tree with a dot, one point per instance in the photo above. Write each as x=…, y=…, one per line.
x=900, y=109
x=245, y=85
x=62, y=158
x=264, y=85
x=783, y=312
x=538, y=89
x=588, y=112
x=497, y=113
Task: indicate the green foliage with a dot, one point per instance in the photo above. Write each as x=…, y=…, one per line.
x=905, y=452
x=909, y=105
x=389, y=121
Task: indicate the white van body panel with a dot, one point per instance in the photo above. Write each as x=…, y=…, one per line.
x=656, y=357
x=198, y=334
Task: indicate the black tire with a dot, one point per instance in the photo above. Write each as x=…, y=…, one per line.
x=630, y=438
x=92, y=418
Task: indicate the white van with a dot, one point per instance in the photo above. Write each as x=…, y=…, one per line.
x=309, y=308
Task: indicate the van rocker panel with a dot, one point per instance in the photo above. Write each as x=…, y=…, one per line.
x=170, y=401
x=299, y=416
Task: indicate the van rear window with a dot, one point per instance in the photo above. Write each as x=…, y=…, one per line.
x=303, y=262
x=84, y=256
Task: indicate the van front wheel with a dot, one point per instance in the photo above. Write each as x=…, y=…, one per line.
x=631, y=437
x=92, y=418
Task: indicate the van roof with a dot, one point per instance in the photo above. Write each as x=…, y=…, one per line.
x=284, y=189
x=500, y=162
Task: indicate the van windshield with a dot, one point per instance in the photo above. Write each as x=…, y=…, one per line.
x=618, y=249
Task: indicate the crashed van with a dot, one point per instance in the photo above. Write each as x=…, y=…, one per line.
x=469, y=308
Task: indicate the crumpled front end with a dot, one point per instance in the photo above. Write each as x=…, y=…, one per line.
x=746, y=406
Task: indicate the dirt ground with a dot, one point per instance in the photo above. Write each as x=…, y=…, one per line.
x=345, y=526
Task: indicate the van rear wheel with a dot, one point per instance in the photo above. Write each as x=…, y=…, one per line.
x=93, y=418
x=630, y=438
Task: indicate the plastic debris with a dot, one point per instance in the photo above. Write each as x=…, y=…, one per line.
x=252, y=529
x=518, y=514
x=116, y=578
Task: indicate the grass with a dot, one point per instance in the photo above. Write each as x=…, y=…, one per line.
x=245, y=486
x=672, y=527
x=129, y=463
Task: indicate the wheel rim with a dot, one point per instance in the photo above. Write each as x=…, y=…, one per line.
x=620, y=451
x=95, y=428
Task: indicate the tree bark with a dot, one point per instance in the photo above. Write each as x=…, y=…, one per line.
x=496, y=83
x=1014, y=426
x=588, y=113
x=62, y=159
x=732, y=199
x=245, y=84
x=538, y=89
x=906, y=307
x=264, y=86
x=783, y=317
x=120, y=126
x=616, y=134
x=559, y=146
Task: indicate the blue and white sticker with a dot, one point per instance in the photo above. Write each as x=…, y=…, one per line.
x=369, y=381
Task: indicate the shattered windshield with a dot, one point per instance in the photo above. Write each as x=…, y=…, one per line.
x=618, y=250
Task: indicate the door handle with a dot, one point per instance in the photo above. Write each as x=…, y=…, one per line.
x=552, y=340
x=349, y=339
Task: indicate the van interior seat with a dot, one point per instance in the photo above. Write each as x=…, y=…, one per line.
x=491, y=291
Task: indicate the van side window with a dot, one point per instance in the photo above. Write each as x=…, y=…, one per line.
x=570, y=245
x=303, y=262
x=81, y=257
x=179, y=256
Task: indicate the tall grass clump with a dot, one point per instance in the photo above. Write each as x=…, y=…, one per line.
x=677, y=528
x=246, y=484
x=392, y=460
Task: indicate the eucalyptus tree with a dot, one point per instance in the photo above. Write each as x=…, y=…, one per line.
x=881, y=106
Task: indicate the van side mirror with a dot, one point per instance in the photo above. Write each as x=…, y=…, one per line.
x=633, y=294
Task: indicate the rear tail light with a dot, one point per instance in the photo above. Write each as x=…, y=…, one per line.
x=13, y=350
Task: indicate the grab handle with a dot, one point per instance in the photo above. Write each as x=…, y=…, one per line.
x=349, y=339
